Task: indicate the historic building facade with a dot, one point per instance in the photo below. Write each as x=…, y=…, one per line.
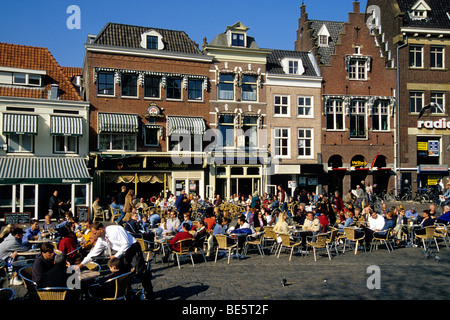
x=358, y=101
x=414, y=35
x=43, y=133
x=148, y=91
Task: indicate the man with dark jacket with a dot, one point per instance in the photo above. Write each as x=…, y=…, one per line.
x=44, y=262
x=54, y=205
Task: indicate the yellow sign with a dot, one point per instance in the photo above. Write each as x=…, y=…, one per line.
x=433, y=180
x=422, y=146
x=359, y=164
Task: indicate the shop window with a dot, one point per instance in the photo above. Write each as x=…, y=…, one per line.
x=117, y=141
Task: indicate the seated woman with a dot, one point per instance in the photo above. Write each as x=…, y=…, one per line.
x=68, y=242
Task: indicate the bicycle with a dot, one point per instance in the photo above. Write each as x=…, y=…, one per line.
x=391, y=197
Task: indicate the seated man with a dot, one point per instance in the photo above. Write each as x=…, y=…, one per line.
x=183, y=234
x=376, y=224
x=44, y=262
x=31, y=233
x=445, y=218
x=412, y=214
x=426, y=221
x=56, y=276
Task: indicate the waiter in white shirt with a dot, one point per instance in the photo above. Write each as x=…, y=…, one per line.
x=376, y=224
x=116, y=239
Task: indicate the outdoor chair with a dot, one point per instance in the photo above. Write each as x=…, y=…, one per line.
x=441, y=232
x=352, y=237
x=258, y=242
x=380, y=238
x=270, y=237
x=7, y=294
x=118, y=285
x=53, y=294
x=286, y=242
x=185, y=249
x=428, y=237
x=223, y=244
x=99, y=214
x=320, y=243
x=115, y=214
x=149, y=247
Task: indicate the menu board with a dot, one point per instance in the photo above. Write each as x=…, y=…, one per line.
x=17, y=218
x=83, y=214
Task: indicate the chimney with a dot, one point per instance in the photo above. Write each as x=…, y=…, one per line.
x=302, y=10
x=356, y=7
x=53, y=93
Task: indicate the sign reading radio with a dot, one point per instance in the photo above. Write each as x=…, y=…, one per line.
x=441, y=124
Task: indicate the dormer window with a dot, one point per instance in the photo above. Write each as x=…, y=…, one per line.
x=292, y=66
x=324, y=36
x=152, y=40
x=420, y=10
x=238, y=40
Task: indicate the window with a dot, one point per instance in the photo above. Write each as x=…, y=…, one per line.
x=249, y=88
x=281, y=106
x=129, y=85
x=238, y=40
x=185, y=142
x=195, y=89
x=226, y=130
x=152, y=42
x=357, y=69
x=293, y=67
x=305, y=143
x=173, y=88
x=438, y=98
x=358, y=119
x=105, y=83
x=437, y=57
x=152, y=87
x=65, y=144
x=380, y=116
x=416, y=101
x=335, y=114
x=250, y=128
x=151, y=135
x=304, y=107
x=226, y=87
x=125, y=142
x=27, y=79
x=20, y=143
x=416, y=56
x=281, y=142
x=323, y=40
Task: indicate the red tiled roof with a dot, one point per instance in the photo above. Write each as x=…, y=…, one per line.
x=36, y=58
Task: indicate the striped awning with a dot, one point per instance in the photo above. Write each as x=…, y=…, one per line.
x=185, y=125
x=118, y=123
x=66, y=126
x=20, y=123
x=40, y=170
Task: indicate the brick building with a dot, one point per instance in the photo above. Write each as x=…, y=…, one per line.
x=148, y=91
x=43, y=133
x=414, y=35
x=294, y=101
x=358, y=101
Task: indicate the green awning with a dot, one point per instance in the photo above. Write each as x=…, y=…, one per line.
x=66, y=126
x=185, y=125
x=118, y=123
x=20, y=123
x=40, y=170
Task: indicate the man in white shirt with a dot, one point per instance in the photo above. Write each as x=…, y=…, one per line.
x=116, y=239
x=376, y=224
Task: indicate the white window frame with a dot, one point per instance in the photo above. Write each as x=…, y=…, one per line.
x=293, y=66
x=27, y=79
x=381, y=108
x=433, y=98
x=66, y=145
x=226, y=82
x=359, y=110
x=282, y=105
x=357, y=69
x=181, y=89
x=422, y=96
x=415, y=49
x=110, y=141
x=436, y=53
x=114, y=85
x=334, y=110
x=20, y=143
x=158, y=135
x=311, y=156
x=276, y=137
x=311, y=107
x=201, y=90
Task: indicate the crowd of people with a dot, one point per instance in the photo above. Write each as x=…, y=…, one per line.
x=186, y=216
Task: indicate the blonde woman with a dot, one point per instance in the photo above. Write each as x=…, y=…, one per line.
x=282, y=226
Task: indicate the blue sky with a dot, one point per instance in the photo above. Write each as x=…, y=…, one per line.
x=43, y=23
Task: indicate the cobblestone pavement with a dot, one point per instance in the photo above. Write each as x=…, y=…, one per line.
x=405, y=274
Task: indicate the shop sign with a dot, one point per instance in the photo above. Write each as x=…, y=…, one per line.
x=359, y=164
x=441, y=124
x=431, y=168
x=433, y=148
x=422, y=146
